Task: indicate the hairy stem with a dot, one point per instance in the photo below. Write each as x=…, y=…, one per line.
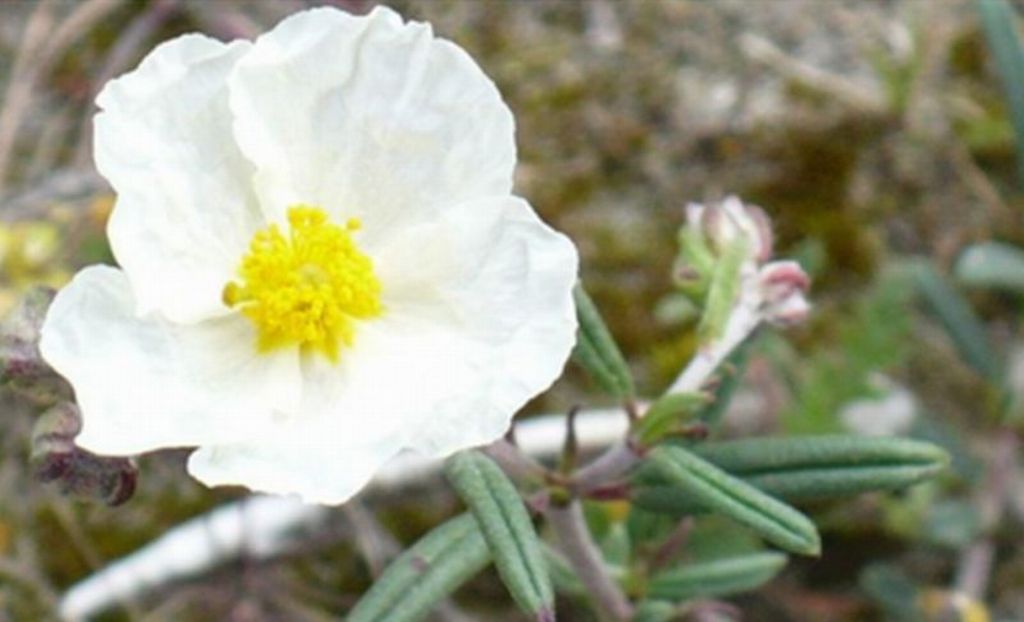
x=514, y=461
x=609, y=466
x=570, y=527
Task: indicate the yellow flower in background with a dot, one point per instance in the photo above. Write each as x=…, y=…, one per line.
x=321, y=261
x=29, y=253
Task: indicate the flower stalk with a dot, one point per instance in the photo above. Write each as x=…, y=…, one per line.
x=570, y=527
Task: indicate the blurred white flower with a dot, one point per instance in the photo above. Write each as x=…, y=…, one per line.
x=891, y=413
x=322, y=263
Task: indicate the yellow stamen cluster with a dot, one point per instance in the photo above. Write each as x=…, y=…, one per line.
x=306, y=288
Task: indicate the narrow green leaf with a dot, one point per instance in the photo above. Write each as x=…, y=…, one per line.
x=666, y=414
x=425, y=574
x=596, y=350
x=723, y=292
x=713, y=579
x=771, y=455
x=992, y=264
x=893, y=590
x=655, y=611
x=956, y=316
x=668, y=500
x=1000, y=23
x=831, y=482
x=646, y=526
x=586, y=356
x=790, y=487
x=722, y=493
x=506, y=526
x=616, y=546
x=797, y=469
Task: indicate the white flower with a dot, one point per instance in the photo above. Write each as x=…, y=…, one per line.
x=890, y=413
x=322, y=263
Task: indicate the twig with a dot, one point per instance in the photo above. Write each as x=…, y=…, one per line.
x=223, y=21
x=515, y=462
x=975, y=566
x=81, y=20
x=298, y=611
x=569, y=525
x=975, y=179
x=11, y=570
x=42, y=49
x=672, y=544
x=49, y=143
x=21, y=82
x=376, y=544
x=62, y=185
x=23, y=566
x=76, y=536
x=863, y=98
x=603, y=27
x=611, y=465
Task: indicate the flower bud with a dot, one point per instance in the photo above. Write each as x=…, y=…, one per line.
x=730, y=220
x=729, y=231
x=783, y=288
x=56, y=458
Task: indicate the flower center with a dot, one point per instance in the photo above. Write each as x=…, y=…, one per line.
x=306, y=288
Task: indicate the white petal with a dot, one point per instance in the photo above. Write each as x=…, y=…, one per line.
x=317, y=472
x=185, y=210
x=144, y=383
x=478, y=319
x=369, y=117
x=512, y=321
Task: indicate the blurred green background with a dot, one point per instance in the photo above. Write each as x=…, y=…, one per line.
x=879, y=137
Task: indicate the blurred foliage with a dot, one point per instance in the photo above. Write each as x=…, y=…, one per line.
x=869, y=336
x=871, y=132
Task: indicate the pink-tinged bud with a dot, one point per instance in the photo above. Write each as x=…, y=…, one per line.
x=783, y=288
x=765, y=235
x=56, y=458
x=791, y=311
x=732, y=219
x=785, y=276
